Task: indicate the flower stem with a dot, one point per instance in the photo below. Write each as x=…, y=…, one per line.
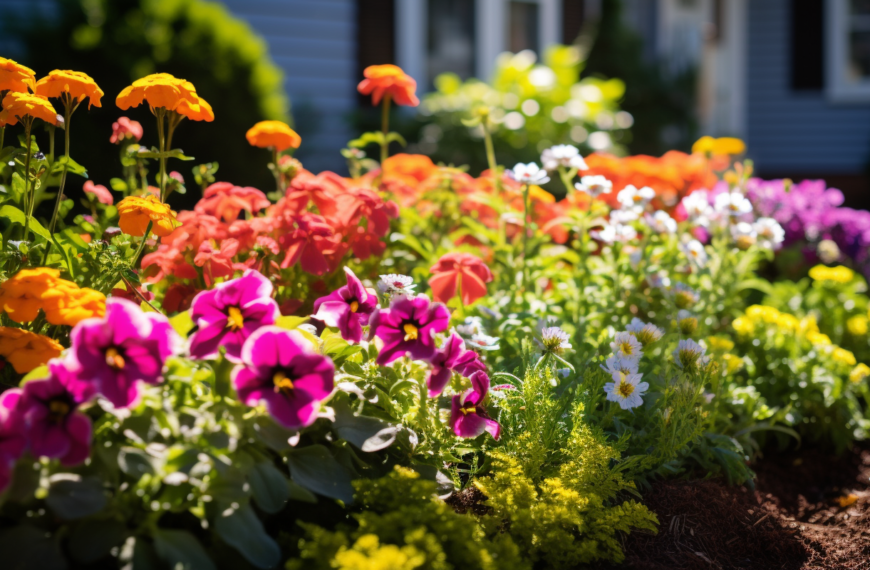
x=525, y=234
x=490, y=154
x=67, y=117
x=135, y=259
x=275, y=170
x=139, y=294
x=28, y=199
x=385, y=129
x=161, y=113
x=2, y=136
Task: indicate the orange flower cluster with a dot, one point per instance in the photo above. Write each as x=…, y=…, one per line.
x=75, y=83
x=25, y=350
x=136, y=212
x=16, y=77
x=162, y=90
x=64, y=302
x=16, y=106
x=672, y=176
x=315, y=225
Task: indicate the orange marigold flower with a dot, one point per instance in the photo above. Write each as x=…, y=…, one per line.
x=167, y=91
x=196, y=111
x=137, y=211
x=409, y=168
x=15, y=77
x=389, y=80
x=20, y=105
x=718, y=147
x=463, y=271
x=21, y=295
x=79, y=86
x=276, y=134
x=25, y=350
x=67, y=304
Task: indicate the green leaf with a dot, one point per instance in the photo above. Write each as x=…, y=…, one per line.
x=243, y=531
x=90, y=541
x=135, y=462
x=373, y=137
x=26, y=547
x=300, y=493
x=174, y=153
x=118, y=185
x=72, y=167
x=16, y=216
x=269, y=487
x=181, y=550
x=368, y=434
x=71, y=498
x=65, y=255
x=290, y=323
x=396, y=137
x=182, y=323
x=316, y=469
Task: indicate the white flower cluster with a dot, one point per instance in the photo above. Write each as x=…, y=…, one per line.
x=627, y=390
x=562, y=155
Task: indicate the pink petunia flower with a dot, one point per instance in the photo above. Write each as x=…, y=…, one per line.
x=100, y=192
x=452, y=357
x=12, y=439
x=468, y=417
x=228, y=314
x=347, y=308
x=125, y=128
x=408, y=327
x=280, y=369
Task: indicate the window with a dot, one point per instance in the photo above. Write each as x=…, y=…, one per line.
x=523, y=27
x=847, y=50
x=451, y=38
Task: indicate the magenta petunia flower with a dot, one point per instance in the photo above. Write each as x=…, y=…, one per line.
x=124, y=348
x=52, y=423
x=347, y=308
x=408, y=327
x=12, y=439
x=468, y=417
x=228, y=314
x=280, y=368
x=452, y=357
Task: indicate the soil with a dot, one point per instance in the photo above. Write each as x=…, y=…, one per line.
x=793, y=520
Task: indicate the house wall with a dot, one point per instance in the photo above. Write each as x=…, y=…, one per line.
x=796, y=133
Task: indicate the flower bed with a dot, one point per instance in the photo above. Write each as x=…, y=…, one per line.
x=408, y=368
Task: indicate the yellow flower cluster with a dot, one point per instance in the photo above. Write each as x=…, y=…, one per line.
x=721, y=346
x=858, y=325
x=63, y=302
x=25, y=350
x=859, y=373
x=839, y=274
x=762, y=314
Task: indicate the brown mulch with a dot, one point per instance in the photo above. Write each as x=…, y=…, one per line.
x=792, y=521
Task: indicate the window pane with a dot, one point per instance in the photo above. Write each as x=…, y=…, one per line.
x=451, y=38
x=859, y=41
x=523, y=27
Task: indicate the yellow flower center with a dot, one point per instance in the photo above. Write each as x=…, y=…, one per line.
x=626, y=348
x=410, y=331
x=468, y=409
x=625, y=389
x=235, y=320
x=114, y=358
x=354, y=306
x=58, y=410
x=282, y=383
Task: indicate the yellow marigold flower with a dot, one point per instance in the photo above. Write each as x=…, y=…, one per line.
x=743, y=326
x=839, y=274
x=15, y=77
x=818, y=339
x=167, y=91
x=21, y=295
x=787, y=322
x=732, y=363
x=136, y=212
x=859, y=373
x=843, y=356
x=720, y=343
x=808, y=325
x=720, y=146
x=67, y=304
x=20, y=105
x=275, y=134
x=858, y=325
x=77, y=84
x=25, y=350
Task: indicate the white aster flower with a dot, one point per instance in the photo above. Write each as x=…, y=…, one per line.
x=689, y=355
x=661, y=222
x=625, y=345
x=625, y=215
x=695, y=251
x=471, y=326
x=734, y=204
x=631, y=197
x=595, y=186
x=554, y=339
x=697, y=207
x=687, y=321
x=770, y=233
x=684, y=296
x=529, y=173
x=615, y=364
x=483, y=342
x=395, y=284
x=645, y=333
x=743, y=234
x=564, y=155
x=626, y=390
x=612, y=233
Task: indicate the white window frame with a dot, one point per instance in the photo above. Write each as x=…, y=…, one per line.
x=837, y=88
x=491, y=17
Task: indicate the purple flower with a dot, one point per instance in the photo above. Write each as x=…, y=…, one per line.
x=12, y=440
x=408, y=327
x=52, y=423
x=468, y=417
x=228, y=314
x=280, y=368
x=347, y=308
x=452, y=357
x=124, y=348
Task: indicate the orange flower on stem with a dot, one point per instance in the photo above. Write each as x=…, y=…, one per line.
x=277, y=136
x=138, y=215
x=390, y=83
x=21, y=295
x=461, y=272
x=15, y=77
x=67, y=304
x=25, y=350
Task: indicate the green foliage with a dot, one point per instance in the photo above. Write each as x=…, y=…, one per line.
x=403, y=526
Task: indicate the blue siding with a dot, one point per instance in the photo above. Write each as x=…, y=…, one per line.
x=793, y=131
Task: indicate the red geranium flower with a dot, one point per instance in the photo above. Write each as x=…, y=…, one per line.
x=224, y=200
x=217, y=262
x=462, y=271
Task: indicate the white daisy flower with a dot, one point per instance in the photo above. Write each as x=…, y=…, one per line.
x=612, y=233
x=684, y=296
x=690, y=355
x=631, y=197
x=529, y=173
x=770, y=234
x=471, y=326
x=625, y=215
x=595, y=186
x=697, y=207
x=743, y=234
x=734, y=204
x=661, y=222
x=615, y=364
x=626, y=390
x=625, y=345
x=395, y=284
x=695, y=251
x=483, y=342
x=554, y=339
x=645, y=333
x=564, y=155
x=687, y=322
